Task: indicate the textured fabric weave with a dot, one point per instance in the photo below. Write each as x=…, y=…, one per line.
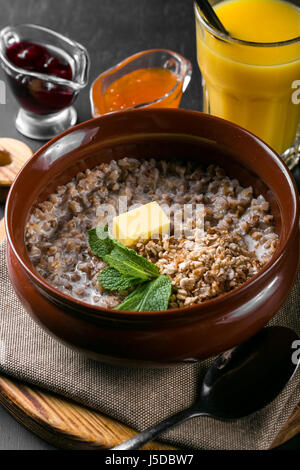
x=137, y=397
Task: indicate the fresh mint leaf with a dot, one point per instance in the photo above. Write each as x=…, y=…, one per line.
x=151, y=296
x=125, y=267
x=157, y=296
x=112, y=280
x=122, y=253
x=100, y=242
x=133, y=300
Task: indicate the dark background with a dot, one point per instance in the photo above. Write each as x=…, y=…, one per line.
x=111, y=30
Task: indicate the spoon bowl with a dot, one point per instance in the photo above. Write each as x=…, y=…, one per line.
x=240, y=382
x=246, y=378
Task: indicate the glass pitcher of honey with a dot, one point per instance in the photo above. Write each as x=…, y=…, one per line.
x=156, y=78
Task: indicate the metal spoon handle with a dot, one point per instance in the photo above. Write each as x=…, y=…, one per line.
x=140, y=439
x=210, y=14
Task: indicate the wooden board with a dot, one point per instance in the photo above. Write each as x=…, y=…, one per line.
x=67, y=425
x=13, y=155
x=63, y=423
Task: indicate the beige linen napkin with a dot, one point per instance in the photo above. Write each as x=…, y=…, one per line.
x=137, y=397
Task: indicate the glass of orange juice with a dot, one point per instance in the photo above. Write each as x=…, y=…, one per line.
x=252, y=75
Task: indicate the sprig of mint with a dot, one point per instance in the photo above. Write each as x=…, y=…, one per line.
x=123, y=259
x=127, y=269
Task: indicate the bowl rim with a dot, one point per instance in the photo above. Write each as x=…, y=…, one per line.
x=87, y=310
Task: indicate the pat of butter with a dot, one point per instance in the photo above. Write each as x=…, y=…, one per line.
x=146, y=222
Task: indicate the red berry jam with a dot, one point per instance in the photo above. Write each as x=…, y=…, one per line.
x=36, y=95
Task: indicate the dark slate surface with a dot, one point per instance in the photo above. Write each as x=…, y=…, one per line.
x=111, y=30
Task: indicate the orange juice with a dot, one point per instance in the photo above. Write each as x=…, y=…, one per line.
x=251, y=84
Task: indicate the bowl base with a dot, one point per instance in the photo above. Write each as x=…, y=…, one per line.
x=45, y=127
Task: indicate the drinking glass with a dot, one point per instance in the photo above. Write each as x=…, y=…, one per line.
x=252, y=84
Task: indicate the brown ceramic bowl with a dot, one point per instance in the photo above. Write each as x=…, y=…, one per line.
x=156, y=338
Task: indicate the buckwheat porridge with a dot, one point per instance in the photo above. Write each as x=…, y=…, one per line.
x=238, y=239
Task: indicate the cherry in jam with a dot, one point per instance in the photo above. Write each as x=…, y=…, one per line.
x=37, y=95
x=37, y=58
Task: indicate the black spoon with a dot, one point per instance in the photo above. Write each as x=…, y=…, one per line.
x=210, y=15
x=240, y=381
